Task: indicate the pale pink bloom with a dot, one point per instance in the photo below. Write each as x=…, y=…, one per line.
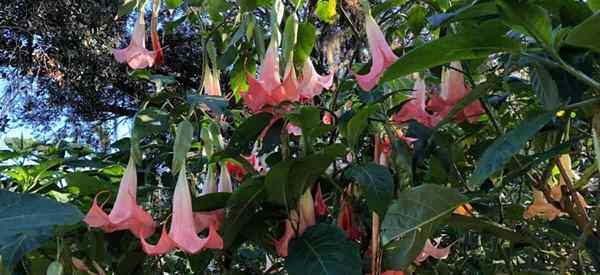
x=433, y=251
x=268, y=88
x=211, y=83
x=154, y=33
x=381, y=53
x=300, y=218
x=294, y=130
x=125, y=214
x=185, y=225
x=415, y=108
x=311, y=83
x=453, y=90
x=136, y=54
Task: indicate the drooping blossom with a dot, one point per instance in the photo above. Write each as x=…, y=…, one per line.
x=392, y=272
x=159, y=59
x=434, y=251
x=541, y=207
x=453, y=89
x=125, y=214
x=381, y=53
x=415, y=108
x=136, y=55
x=311, y=83
x=211, y=83
x=464, y=210
x=299, y=219
x=320, y=206
x=185, y=225
x=268, y=89
x=345, y=221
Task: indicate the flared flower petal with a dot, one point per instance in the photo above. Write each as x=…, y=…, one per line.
x=311, y=83
x=453, y=89
x=434, y=251
x=136, y=55
x=256, y=97
x=183, y=228
x=541, y=207
x=415, y=108
x=96, y=217
x=381, y=53
x=164, y=245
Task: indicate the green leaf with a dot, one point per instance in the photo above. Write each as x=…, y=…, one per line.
x=216, y=104
x=377, y=183
x=357, y=124
x=472, y=44
x=490, y=227
x=307, y=34
x=55, y=268
x=399, y=254
x=85, y=185
x=522, y=15
x=476, y=93
x=417, y=208
x=216, y=8
x=173, y=4
x=585, y=35
x=416, y=19
x=387, y=5
x=545, y=88
x=27, y=221
x=183, y=141
x=243, y=139
x=326, y=10
x=594, y=5
x=127, y=7
x=147, y=122
x=210, y=201
x=502, y=150
x=323, y=249
x=242, y=204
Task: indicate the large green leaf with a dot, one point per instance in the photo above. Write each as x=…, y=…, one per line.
x=210, y=201
x=357, y=124
x=183, y=142
x=290, y=33
x=173, y=4
x=545, y=88
x=216, y=104
x=85, y=184
x=586, y=34
x=146, y=123
x=377, y=183
x=323, y=249
x=242, y=205
x=417, y=208
x=525, y=16
x=307, y=34
x=471, y=44
x=245, y=136
x=502, y=150
x=27, y=221
x=399, y=254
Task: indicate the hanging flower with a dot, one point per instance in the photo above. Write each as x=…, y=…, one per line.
x=211, y=83
x=346, y=221
x=541, y=207
x=381, y=53
x=434, y=251
x=320, y=206
x=415, y=108
x=125, y=214
x=268, y=88
x=453, y=90
x=311, y=83
x=159, y=59
x=299, y=219
x=185, y=225
x=136, y=55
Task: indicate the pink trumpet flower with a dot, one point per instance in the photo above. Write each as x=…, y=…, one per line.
x=154, y=33
x=268, y=89
x=185, y=225
x=382, y=55
x=320, y=206
x=136, y=55
x=433, y=251
x=416, y=108
x=126, y=214
x=346, y=221
x=299, y=219
x=453, y=90
x=311, y=83
x=211, y=83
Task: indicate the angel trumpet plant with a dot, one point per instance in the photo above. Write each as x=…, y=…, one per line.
x=125, y=214
x=381, y=53
x=185, y=225
x=416, y=108
x=136, y=55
